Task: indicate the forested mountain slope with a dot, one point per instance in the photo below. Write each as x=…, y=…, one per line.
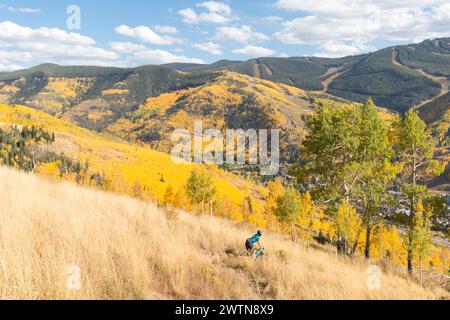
x=397, y=84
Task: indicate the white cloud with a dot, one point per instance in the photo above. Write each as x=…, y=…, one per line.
x=146, y=35
x=254, y=51
x=157, y=56
x=7, y=66
x=126, y=47
x=137, y=54
x=273, y=19
x=217, y=12
x=210, y=47
x=339, y=27
x=166, y=29
x=334, y=49
x=21, y=10
x=29, y=10
x=24, y=46
x=245, y=34
x=216, y=7
x=341, y=8
x=189, y=16
x=15, y=33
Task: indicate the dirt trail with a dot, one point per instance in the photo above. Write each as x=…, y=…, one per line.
x=267, y=69
x=443, y=81
x=259, y=67
x=256, y=70
x=333, y=73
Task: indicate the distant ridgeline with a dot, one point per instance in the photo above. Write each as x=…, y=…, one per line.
x=145, y=104
x=397, y=78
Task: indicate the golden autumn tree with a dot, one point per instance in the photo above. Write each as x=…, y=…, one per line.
x=308, y=211
x=275, y=190
x=169, y=196
x=347, y=224
x=200, y=189
x=419, y=238
x=415, y=150
x=288, y=207
x=387, y=243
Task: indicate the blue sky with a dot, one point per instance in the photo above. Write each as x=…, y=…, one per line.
x=135, y=32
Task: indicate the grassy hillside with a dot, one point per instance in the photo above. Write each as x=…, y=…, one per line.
x=126, y=249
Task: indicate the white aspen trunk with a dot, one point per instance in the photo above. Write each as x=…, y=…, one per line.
x=211, y=208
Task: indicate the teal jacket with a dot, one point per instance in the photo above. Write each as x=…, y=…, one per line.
x=254, y=239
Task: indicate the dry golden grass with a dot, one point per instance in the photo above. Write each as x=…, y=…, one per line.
x=128, y=249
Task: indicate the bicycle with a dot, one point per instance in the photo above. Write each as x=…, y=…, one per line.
x=258, y=254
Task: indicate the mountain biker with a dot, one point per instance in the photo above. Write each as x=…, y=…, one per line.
x=250, y=243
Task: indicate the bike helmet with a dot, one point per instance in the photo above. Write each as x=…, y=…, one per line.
x=260, y=233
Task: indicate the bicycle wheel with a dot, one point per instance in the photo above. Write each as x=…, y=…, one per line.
x=243, y=253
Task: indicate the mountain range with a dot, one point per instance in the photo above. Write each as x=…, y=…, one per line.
x=143, y=104
x=396, y=78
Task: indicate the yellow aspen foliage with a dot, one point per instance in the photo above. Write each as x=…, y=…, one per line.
x=436, y=262
x=50, y=170
x=387, y=243
x=169, y=196
x=165, y=100
x=257, y=217
x=10, y=89
x=323, y=224
x=110, y=92
x=181, y=200
x=275, y=190
x=114, y=182
x=439, y=261
x=137, y=191
x=347, y=223
x=223, y=206
x=236, y=215
x=308, y=211
x=59, y=93
x=181, y=120
x=99, y=115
